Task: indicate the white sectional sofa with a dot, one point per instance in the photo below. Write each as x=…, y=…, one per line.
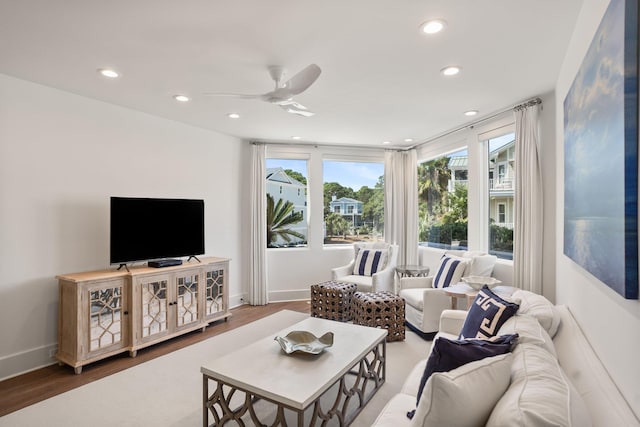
x=554, y=379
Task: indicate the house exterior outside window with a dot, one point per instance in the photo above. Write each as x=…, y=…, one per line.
x=281, y=186
x=501, y=195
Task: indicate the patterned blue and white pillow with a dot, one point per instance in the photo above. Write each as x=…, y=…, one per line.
x=449, y=271
x=369, y=262
x=486, y=315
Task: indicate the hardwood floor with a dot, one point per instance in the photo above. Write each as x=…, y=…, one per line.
x=27, y=389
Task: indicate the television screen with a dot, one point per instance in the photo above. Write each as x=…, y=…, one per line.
x=145, y=229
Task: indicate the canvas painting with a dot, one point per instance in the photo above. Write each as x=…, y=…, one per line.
x=600, y=154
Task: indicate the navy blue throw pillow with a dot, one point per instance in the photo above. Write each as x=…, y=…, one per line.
x=447, y=355
x=486, y=315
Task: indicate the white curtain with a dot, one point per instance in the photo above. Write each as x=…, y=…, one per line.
x=401, y=203
x=258, y=232
x=528, y=232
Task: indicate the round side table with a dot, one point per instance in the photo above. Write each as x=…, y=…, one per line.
x=412, y=271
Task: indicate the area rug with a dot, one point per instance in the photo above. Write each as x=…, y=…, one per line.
x=167, y=391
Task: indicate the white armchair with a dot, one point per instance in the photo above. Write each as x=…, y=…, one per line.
x=382, y=280
x=425, y=302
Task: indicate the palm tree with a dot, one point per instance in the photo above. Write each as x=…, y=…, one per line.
x=433, y=177
x=279, y=216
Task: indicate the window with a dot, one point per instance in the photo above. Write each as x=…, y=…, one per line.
x=286, y=203
x=442, y=201
x=501, y=194
x=502, y=213
x=353, y=201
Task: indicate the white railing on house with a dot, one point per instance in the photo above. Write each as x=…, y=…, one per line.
x=501, y=184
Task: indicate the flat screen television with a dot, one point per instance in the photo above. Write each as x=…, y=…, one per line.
x=144, y=229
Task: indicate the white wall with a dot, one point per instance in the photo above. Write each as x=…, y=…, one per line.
x=610, y=322
x=61, y=157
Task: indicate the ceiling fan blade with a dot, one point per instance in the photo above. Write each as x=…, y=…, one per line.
x=295, y=108
x=301, y=81
x=233, y=95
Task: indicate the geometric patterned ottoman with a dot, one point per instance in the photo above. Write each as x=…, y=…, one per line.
x=380, y=310
x=332, y=300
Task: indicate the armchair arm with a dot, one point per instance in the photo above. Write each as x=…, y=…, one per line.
x=416, y=282
x=345, y=270
x=452, y=321
x=384, y=280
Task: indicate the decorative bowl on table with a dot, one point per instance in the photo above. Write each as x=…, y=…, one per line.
x=304, y=342
x=477, y=282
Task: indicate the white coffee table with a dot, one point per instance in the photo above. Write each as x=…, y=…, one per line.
x=261, y=370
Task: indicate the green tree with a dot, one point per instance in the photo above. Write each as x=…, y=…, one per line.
x=373, y=209
x=457, y=211
x=296, y=175
x=279, y=217
x=335, y=224
x=433, y=178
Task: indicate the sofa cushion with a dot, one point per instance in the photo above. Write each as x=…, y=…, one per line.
x=529, y=330
x=449, y=271
x=486, y=315
x=447, y=354
x=539, y=307
x=539, y=393
x=370, y=261
x=474, y=387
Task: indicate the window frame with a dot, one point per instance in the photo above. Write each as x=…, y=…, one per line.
x=277, y=155
x=474, y=137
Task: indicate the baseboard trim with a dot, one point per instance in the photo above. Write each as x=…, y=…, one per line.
x=20, y=363
x=289, y=295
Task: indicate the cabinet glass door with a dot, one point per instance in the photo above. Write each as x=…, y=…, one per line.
x=214, y=291
x=105, y=317
x=154, y=307
x=187, y=301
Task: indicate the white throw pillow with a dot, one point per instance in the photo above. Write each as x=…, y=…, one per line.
x=539, y=307
x=478, y=263
x=370, y=261
x=481, y=265
x=449, y=271
x=464, y=396
x=539, y=394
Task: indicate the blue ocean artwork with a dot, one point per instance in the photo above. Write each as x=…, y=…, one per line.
x=600, y=155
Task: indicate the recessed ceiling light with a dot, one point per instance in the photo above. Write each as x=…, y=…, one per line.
x=233, y=115
x=295, y=137
x=451, y=70
x=386, y=142
x=108, y=73
x=181, y=98
x=408, y=140
x=471, y=113
x=434, y=26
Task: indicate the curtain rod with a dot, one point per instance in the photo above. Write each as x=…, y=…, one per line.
x=314, y=145
x=531, y=102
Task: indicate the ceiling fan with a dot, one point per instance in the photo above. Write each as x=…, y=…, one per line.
x=282, y=94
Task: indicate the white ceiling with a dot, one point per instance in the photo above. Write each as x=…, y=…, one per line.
x=380, y=76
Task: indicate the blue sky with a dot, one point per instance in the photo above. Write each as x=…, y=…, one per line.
x=348, y=174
